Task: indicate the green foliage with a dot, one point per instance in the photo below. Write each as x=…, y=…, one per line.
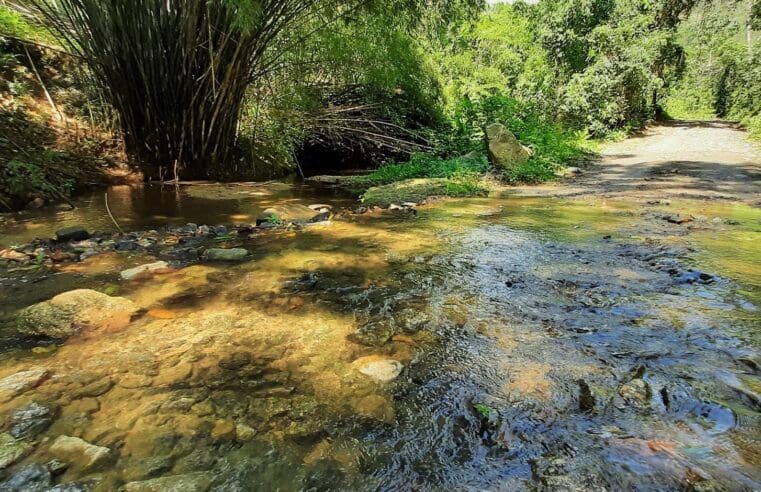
x=13, y=24
x=428, y=166
x=484, y=410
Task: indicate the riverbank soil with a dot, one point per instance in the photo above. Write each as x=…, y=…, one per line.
x=597, y=334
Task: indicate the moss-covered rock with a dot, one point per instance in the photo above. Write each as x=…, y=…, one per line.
x=409, y=190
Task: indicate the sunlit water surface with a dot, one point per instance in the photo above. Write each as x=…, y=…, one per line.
x=506, y=314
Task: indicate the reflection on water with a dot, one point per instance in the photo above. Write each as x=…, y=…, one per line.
x=542, y=344
x=149, y=206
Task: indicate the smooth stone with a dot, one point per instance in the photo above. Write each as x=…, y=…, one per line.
x=72, y=234
x=11, y=450
x=31, y=420
x=30, y=478
x=379, y=368
x=320, y=206
x=18, y=383
x=286, y=213
x=80, y=452
x=35, y=204
x=96, y=388
x=64, y=314
x=191, y=482
x=221, y=254
x=131, y=273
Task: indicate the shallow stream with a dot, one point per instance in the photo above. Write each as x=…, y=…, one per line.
x=546, y=344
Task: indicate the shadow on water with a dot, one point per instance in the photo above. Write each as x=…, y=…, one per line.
x=538, y=353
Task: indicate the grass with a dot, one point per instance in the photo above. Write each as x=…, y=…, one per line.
x=428, y=166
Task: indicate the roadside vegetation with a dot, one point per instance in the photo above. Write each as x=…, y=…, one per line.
x=407, y=87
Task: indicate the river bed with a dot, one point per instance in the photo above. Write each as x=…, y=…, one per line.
x=480, y=344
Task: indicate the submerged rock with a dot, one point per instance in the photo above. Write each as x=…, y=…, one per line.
x=221, y=254
x=11, y=450
x=72, y=234
x=408, y=190
x=30, y=420
x=191, y=482
x=64, y=314
x=291, y=212
x=379, y=368
x=30, y=478
x=505, y=150
x=80, y=452
x=157, y=266
x=15, y=384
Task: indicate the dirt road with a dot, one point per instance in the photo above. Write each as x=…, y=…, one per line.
x=704, y=160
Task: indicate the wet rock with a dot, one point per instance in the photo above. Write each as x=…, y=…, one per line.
x=320, y=207
x=695, y=277
x=235, y=361
x=636, y=392
x=18, y=383
x=678, y=219
x=148, y=268
x=13, y=255
x=505, y=150
x=57, y=467
x=31, y=420
x=127, y=245
x=11, y=450
x=80, y=453
x=374, y=333
x=147, y=468
x=244, y=432
x=64, y=314
x=287, y=213
x=30, y=478
x=96, y=388
x=223, y=430
x=221, y=254
x=191, y=482
x=379, y=368
x=72, y=234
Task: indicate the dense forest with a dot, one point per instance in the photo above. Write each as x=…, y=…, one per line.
x=237, y=90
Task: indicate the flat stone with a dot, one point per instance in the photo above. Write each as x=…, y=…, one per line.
x=80, y=452
x=379, y=368
x=287, y=213
x=222, y=254
x=72, y=234
x=30, y=420
x=223, y=430
x=191, y=482
x=18, y=383
x=29, y=478
x=148, y=268
x=11, y=450
x=66, y=313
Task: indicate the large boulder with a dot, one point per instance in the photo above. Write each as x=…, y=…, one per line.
x=286, y=213
x=66, y=313
x=505, y=150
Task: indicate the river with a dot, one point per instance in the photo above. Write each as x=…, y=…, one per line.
x=516, y=343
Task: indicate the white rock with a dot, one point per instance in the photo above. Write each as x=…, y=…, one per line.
x=147, y=268
x=379, y=368
x=20, y=382
x=79, y=452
